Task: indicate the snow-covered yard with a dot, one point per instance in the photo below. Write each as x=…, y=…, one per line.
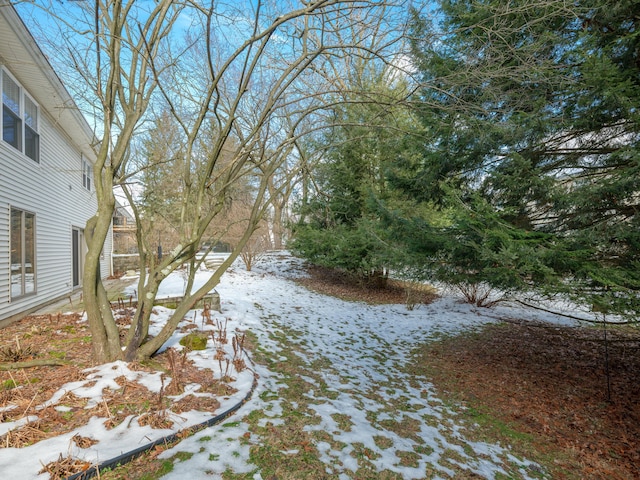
x=354, y=392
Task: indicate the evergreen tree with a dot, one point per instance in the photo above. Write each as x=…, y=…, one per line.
x=342, y=228
x=531, y=121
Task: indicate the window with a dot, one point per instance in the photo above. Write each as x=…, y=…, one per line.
x=23, y=268
x=19, y=118
x=11, y=123
x=31, y=137
x=87, y=173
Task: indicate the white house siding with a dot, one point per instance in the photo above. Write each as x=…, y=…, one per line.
x=106, y=265
x=53, y=191
x=4, y=242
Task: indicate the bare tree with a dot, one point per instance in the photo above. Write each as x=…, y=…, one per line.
x=240, y=81
x=257, y=245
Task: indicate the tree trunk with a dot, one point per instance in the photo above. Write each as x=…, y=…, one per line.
x=278, y=229
x=104, y=331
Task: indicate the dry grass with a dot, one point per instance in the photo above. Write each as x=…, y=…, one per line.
x=64, y=467
x=66, y=338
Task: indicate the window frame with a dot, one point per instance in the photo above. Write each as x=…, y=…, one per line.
x=87, y=172
x=35, y=132
x=26, y=264
x=26, y=138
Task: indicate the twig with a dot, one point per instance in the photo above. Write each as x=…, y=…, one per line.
x=573, y=317
x=40, y=362
x=15, y=384
x=606, y=358
x=29, y=406
x=106, y=406
x=33, y=388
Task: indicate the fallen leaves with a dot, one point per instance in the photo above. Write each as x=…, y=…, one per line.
x=64, y=467
x=24, y=391
x=83, y=442
x=551, y=381
x=343, y=286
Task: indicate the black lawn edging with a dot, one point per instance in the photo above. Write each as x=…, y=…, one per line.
x=168, y=440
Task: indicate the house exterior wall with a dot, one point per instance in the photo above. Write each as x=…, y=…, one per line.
x=51, y=189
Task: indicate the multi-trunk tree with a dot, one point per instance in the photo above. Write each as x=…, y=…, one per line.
x=227, y=74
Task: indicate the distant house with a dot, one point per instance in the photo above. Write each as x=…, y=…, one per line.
x=125, y=246
x=124, y=230
x=46, y=191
